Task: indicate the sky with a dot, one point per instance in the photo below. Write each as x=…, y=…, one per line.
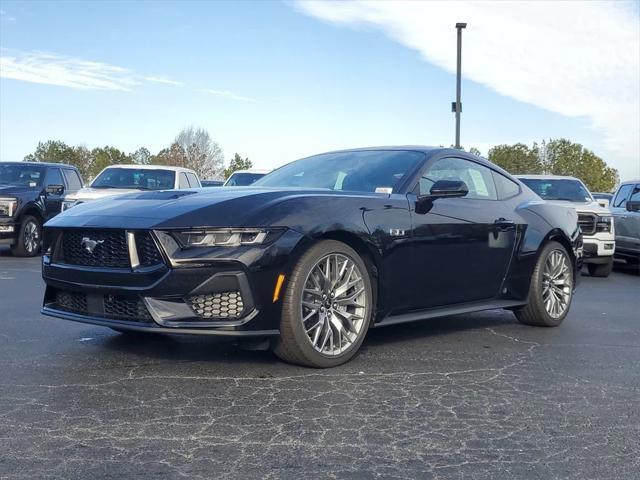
x=276, y=81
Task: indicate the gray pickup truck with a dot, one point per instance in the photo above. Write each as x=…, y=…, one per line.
x=625, y=207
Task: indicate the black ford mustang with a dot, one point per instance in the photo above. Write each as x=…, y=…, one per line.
x=317, y=252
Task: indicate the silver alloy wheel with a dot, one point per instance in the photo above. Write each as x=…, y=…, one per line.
x=334, y=304
x=31, y=237
x=557, y=283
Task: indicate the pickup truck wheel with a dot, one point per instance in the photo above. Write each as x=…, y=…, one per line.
x=551, y=288
x=326, y=308
x=29, y=238
x=600, y=269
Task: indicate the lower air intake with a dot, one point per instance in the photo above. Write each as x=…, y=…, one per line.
x=224, y=305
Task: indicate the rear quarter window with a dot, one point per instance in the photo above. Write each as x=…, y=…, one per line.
x=505, y=187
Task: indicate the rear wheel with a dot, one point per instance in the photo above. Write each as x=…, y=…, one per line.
x=600, y=269
x=326, y=308
x=551, y=288
x=29, y=237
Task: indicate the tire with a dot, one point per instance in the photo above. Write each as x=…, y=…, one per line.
x=536, y=312
x=600, y=269
x=29, y=238
x=334, y=345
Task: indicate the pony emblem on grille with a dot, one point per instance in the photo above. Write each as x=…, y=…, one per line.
x=90, y=245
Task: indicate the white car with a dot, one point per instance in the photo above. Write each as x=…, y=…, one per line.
x=596, y=222
x=120, y=179
x=244, y=178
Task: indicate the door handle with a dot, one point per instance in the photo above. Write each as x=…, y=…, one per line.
x=504, y=224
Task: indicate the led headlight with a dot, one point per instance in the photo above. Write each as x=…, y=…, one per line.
x=604, y=223
x=67, y=204
x=224, y=237
x=8, y=206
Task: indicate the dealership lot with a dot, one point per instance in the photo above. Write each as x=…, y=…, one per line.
x=469, y=396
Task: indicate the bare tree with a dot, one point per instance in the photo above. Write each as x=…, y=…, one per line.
x=201, y=153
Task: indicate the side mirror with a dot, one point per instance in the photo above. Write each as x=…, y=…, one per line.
x=448, y=188
x=54, y=189
x=633, y=205
x=441, y=189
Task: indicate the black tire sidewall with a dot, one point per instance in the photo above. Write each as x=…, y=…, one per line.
x=291, y=311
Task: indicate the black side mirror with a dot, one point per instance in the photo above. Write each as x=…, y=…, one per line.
x=448, y=188
x=441, y=189
x=633, y=205
x=54, y=189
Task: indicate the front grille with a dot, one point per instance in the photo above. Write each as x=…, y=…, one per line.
x=71, y=301
x=110, y=248
x=587, y=222
x=148, y=253
x=106, y=248
x=125, y=308
x=217, y=305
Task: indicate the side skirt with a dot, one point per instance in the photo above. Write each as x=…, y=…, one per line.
x=447, y=311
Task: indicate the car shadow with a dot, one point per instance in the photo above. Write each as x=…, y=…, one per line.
x=626, y=268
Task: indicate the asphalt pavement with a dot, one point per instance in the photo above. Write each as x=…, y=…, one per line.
x=473, y=396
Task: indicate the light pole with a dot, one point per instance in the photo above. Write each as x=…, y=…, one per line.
x=457, y=106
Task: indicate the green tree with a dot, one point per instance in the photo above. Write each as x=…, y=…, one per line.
x=56, y=151
x=142, y=156
x=475, y=151
x=105, y=157
x=563, y=157
x=237, y=163
x=173, y=156
x=517, y=159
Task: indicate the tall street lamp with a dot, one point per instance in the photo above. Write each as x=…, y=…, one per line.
x=457, y=106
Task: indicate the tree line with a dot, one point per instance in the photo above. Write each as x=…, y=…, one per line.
x=556, y=157
x=192, y=148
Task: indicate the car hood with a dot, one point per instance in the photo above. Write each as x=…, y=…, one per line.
x=16, y=191
x=584, y=207
x=87, y=194
x=225, y=207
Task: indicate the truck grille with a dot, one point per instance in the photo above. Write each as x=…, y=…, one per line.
x=587, y=222
x=114, y=307
x=110, y=248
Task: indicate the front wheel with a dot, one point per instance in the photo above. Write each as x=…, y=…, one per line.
x=551, y=289
x=327, y=307
x=29, y=237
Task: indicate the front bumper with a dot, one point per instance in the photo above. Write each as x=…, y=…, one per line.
x=8, y=231
x=598, y=248
x=229, y=292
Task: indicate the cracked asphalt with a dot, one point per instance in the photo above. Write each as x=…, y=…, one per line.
x=473, y=396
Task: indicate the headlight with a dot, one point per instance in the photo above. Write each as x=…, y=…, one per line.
x=604, y=223
x=8, y=207
x=224, y=237
x=67, y=204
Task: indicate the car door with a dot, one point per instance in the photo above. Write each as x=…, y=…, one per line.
x=627, y=223
x=461, y=247
x=53, y=201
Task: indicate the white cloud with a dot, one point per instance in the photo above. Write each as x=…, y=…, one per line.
x=579, y=59
x=228, y=95
x=51, y=69
x=163, y=80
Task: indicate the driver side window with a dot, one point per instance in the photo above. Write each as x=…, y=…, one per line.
x=477, y=177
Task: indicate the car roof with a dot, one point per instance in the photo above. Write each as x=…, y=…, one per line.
x=627, y=182
x=41, y=164
x=150, y=167
x=548, y=177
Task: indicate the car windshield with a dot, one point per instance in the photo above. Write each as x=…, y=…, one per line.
x=559, y=189
x=19, y=175
x=242, y=179
x=141, y=179
x=356, y=171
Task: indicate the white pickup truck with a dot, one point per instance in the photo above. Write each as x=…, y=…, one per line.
x=595, y=221
x=120, y=179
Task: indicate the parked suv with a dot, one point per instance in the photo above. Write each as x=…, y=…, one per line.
x=121, y=179
x=30, y=194
x=626, y=213
x=596, y=222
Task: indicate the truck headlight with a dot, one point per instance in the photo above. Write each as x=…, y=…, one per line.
x=604, y=223
x=67, y=204
x=224, y=237
x=8, y=207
